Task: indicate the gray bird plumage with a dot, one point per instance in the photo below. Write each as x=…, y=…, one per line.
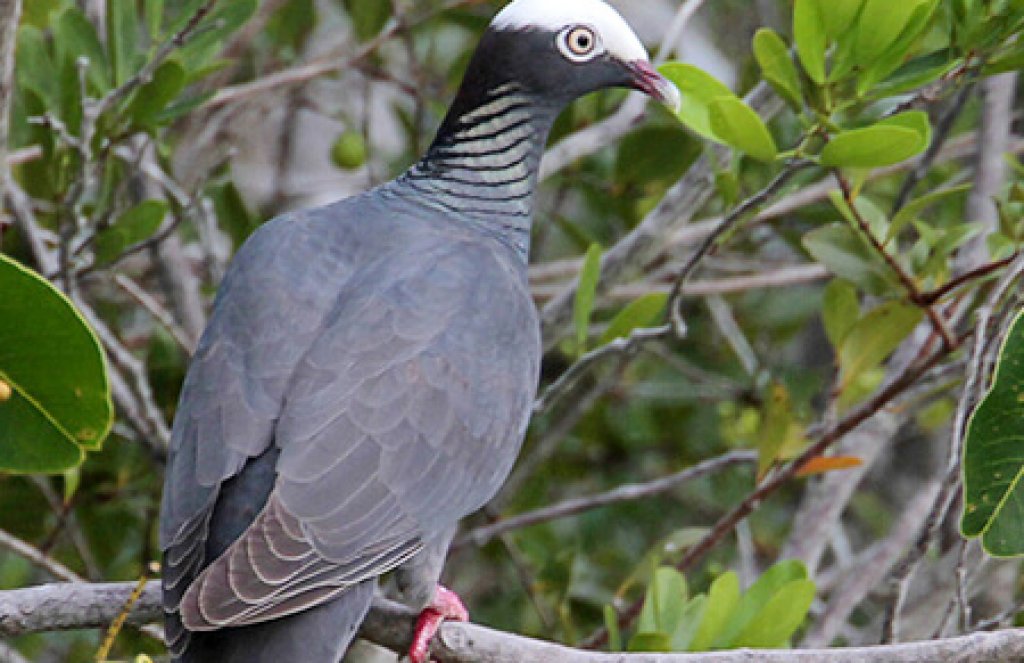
x=365, y=380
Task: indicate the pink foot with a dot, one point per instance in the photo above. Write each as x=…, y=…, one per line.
x=446, y=605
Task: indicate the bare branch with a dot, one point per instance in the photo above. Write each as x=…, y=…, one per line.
x=77, y=605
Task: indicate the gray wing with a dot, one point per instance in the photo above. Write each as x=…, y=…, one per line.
x=404, y=415
x=272, y=297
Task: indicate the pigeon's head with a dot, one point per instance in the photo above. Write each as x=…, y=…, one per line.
x=563, y=49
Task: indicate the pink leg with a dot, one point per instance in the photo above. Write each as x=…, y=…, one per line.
x=446, y=605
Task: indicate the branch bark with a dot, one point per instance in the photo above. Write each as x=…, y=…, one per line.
x=83, y=605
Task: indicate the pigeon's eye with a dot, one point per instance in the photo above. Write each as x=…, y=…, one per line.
x=579, y=44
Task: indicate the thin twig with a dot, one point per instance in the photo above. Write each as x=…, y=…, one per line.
x=626, y=493
x=906, y=280
x=976, y=379
x=773, y=483
x=674, y=312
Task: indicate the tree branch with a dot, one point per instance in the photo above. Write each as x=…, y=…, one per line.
x=81, y=605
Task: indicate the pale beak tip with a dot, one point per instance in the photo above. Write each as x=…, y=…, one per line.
x=648, y=80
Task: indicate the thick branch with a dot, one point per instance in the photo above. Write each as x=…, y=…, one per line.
x=79, y=605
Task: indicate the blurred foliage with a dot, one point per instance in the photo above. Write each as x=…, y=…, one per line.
x=846, y=71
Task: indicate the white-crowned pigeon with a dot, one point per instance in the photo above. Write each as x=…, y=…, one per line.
x=367, y=374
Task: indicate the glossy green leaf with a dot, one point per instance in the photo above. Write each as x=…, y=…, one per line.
x=840, y=310
x=993, y=471
x=643, y=312
x=757, y=597
x=698, y=89
x=890, y=60
x=875, y=337
x=872, y=147
x=881, y=23
x=845, y=254
x=777, y=67
x=839, y=15
x=736, y=124
x=916, y=121
x=781, y=616
x=811, y=38
x=55, y=370
x=723, y=597
x=134, y=226
x=586, y=295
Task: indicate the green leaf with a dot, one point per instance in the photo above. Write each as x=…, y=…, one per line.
x=611, y=624
x=156, y=96
x=699, y=90
x=736, y=123
x=839, y=15
x=875, y=337
x=207, y=41
x=758, y=596
x=872, y=147
x=122, y=36
x=880, y=24
x=663, y=607
x=153, y=12
x=650, y=642
x=916, y=207
x=134, y=226
x=897, y=54
x=586, y=295
x=840, y=310
x=917, y=73
x=777, y=67
x=38, y=13
x=75, y=37
x=36, y=70
x=776, y=418
x=689, y=621
x=723, y=597
x=781, y=616
x=811, y=39
x=642, y=312
x=915, y=121
x=993, y=472
x=55, y=371
x=841, y=249
x=368, y=17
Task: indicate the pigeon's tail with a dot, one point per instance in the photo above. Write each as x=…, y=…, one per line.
x=320, y=634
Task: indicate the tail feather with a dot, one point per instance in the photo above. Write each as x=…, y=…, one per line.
x=321, y=634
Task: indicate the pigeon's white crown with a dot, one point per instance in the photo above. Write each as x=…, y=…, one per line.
x=556, y=15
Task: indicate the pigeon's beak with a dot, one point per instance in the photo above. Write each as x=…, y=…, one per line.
x=647, y=79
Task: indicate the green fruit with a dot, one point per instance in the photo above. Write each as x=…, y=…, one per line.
x=349, y=151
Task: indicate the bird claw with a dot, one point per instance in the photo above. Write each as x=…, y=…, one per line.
x=446, y=606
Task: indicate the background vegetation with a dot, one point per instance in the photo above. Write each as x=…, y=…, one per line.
x=768, y=320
